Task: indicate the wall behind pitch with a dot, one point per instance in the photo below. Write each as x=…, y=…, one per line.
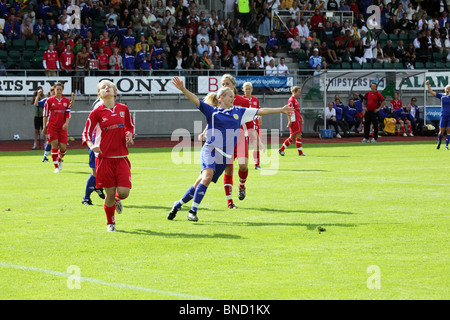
x=17, y=116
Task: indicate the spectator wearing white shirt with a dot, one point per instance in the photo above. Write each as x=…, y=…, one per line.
x=282, y=68
x=202, y=35
x=212, y=47
x=274, y=4
x=303, y=31
x=238, y=61
x=249, y=39
x=271, y=69
x=269, y=57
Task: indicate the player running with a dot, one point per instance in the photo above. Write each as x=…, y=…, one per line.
x=444, y=123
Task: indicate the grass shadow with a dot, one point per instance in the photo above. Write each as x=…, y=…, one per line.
x=182, y=235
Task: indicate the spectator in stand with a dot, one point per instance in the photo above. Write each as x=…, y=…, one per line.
x=111, y=28
x=268, y=57
x=330, y=119
x=227, y=60
x=400, y=53
x=317, y=23
x=332, y=5
x=50, y=61
x=303, y=31
x=238, y=60
x=411, y=55
x=136, y=20
x=44, y=10
x=81, y=66
x=115, y=62
x=315, y=60
x=202, y=47
x=282, y=68
x=271, y=69
x=295, y=45
x=52, y=31
x=396, y=103
x=213, y=48
x=358, y=54
x=11, y=29
x=378, y=53
x=249, y=38
x=273, y=43
x=202, y=35
x=328, y=53
x=242, y=46
x=143, y=58
x=26, y=29
x=369, y=44
x=67, y=61
x=103, y=61
x=157, y=63
x=39, y=31
x=128, y=39
x=403, y=116
x=291, y=31
x=128, y=60
x=389, y=52
x=111, y=15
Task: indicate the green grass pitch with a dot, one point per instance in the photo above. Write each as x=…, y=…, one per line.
x=349, y=221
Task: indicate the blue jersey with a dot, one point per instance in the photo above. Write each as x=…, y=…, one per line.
x=402, y=113
x=339, y=110
x=445, y=104
x=224, y=125
x=350, y=113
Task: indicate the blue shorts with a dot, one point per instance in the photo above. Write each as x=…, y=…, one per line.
x=445, y=122
x=213, y=159
x=91, y=159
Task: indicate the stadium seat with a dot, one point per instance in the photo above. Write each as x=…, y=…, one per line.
x=43, y=45
x=377, y=65
x=303, y=65
x=404, y=37
x=437, y=56
x=429, y=65
x=27, y=55
x=37, y=65
x=336, y=65
x=346, y=65
x=420, y=65
x=18, y=44
x=399, y=65
x=14, y=55
x=31, y=45
x=25, y=65
x=393, y=36
x=383, y=36
x=3, y=55
x=356, y=66
x=388, y=65
x=440, y=65
x=302, y=56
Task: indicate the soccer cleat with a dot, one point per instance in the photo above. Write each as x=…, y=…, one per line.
x=56, y=170
x=411, y=134
x=338, y=136
x=119, y=206
x=231, y=205
x=60, y=165
x=44, y=159
x=172, y=214
x=241, y=193
x=258, y=168
x=100, y=193
x=111, y=228
x=438, y=146
x=302, y=154
x=281, y=152
x=192, y=216
x=373, y=140
x=405, y=135
x=87, y=202
x=365, y=140
x=446, y=147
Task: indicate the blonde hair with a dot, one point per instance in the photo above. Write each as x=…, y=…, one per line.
x=211, y=99
x=247, y=84
x=221, y=91
x=232, y=80
x=295, y=89
x=99, y=85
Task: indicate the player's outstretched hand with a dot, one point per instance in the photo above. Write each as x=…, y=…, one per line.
x=287, y=109
x=178, y=83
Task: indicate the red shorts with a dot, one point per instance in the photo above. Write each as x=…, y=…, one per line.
x=57, y=134
x=241, y=148
x=113, y=172
x=296, y=127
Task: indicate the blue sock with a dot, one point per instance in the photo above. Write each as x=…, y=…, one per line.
x=90, y=187
x=447, y=140
x=48, y=148
x=198, y=196
x=440, y=138
x=186, y=198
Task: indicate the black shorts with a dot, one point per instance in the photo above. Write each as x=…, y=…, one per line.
x=38, y=122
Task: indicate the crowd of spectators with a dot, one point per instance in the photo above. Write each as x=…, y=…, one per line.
x=135, y=36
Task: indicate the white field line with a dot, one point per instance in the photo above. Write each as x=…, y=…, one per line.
x=104, y=283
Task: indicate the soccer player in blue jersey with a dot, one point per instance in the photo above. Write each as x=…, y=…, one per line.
x=224, y=123
x=444, y=124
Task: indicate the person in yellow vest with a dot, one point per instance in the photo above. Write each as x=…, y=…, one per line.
x=243, y=7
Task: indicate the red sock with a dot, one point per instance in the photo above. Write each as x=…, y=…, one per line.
x=117, y=197
x=403, y=129
x=110, y=214
x=61, y=155
x=298, y=144
x=242, y=178
x=286, y=144
x=256, y=157
x=228, y=185
x=55, y=157
x=409, y=129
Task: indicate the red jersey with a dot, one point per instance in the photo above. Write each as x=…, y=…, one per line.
x=57, y=111
x=396, y=104
x=296, y=116
x=106, y=47
x=51, y=60
x=103, y=60
x=254, y=103
x=111, y=127
x=241, y=102
x=67, y=60
x=373, y=100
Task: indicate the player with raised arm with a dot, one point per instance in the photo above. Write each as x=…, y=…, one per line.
x=221, y=137
x=444, y=123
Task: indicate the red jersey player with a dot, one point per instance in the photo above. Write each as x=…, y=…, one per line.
x=50, y=61
x=114, y=129
x=253, y=127
x=295, y=122
x=67, y=59
x=56, y=117
x=396, y=103
x=103, y=59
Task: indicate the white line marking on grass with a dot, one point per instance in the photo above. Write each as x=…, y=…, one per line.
x=105, y=283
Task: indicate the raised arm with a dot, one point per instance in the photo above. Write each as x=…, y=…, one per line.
x=180, y=86
x=286, y=109
x=429, y=88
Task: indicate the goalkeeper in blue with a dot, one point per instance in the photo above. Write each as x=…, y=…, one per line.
x=444, y=123
x=224, y=122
